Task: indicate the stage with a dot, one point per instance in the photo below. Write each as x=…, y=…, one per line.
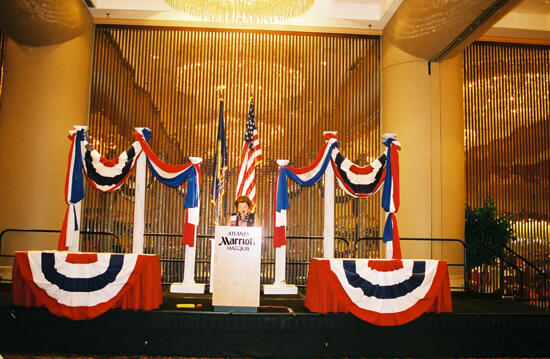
x=480, y=326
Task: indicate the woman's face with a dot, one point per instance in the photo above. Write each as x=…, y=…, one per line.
x=242, y=208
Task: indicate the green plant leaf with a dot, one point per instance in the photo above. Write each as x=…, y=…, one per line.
x=486, y=234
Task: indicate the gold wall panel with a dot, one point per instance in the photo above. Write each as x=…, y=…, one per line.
x=507, y=139
x=3, y=41
x=166, y=79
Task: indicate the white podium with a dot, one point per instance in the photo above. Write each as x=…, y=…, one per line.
x=237, y=257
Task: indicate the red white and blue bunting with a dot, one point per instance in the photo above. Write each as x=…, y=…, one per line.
x=390, y=197
x=108, y=175
x=365, y=181
x=103, y=174
x=80, y=289
x=305, y=176
x=383, y=292
x=355, y=180
x=174, y=176
x=74, y=189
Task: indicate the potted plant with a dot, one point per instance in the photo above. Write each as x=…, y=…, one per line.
x=486, y=235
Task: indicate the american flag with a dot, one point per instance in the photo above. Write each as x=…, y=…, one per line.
x=251, y=155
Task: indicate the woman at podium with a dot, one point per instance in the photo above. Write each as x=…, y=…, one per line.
x=243, y=217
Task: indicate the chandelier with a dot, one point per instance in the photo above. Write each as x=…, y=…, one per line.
x=242, y=11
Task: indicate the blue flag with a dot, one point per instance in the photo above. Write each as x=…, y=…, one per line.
x=220, y=166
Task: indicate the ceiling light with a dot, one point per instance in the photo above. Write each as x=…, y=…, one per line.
x=242, y=11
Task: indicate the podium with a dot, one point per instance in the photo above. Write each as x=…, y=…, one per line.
x=236, y=269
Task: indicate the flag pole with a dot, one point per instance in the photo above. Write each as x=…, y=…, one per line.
x=219, y=200
x=218, y=203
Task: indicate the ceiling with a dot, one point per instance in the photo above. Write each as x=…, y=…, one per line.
x=529, y=20
x=357, y=16
x=534, y=7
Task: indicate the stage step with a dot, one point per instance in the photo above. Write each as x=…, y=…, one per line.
x=480, y=326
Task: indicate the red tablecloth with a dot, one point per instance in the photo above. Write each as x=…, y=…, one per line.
x=93, y=282
x=382, y=292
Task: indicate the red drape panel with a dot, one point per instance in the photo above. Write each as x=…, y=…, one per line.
x=142, y=291
x=324, y=294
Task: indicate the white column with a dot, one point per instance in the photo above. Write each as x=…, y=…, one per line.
x=280, y=265
x=328, y=229
x=188, y=285
x=74, y=236
x=279, y=285
x=189, y=265
x=139, y=203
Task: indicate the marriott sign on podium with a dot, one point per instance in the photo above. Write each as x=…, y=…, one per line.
x=237, y=256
